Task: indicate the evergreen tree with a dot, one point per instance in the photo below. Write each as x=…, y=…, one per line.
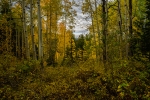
x=7, y=30
x=145, y=38
x=141, y=40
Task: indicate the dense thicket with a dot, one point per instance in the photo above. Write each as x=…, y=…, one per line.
x=141, y=38
x=7, y=30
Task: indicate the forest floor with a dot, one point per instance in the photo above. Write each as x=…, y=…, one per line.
x=126, y=80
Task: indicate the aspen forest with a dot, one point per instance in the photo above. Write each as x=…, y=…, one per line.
x=74, y=50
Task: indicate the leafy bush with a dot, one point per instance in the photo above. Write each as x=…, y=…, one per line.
x=26, y=80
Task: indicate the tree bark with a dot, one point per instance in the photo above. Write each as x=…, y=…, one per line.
x=126, y=28
x=130, y=26
x=40, y=32
x=47, y=31
x=104, y=30
x=31, y=29
x=65, y=30
x=120, y=27
x=25, y=35
x=50, y=38
x=18, y=45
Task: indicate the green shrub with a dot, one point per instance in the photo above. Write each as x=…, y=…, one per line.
x=26, y=80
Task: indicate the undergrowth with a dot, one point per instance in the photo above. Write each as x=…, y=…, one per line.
x=26, y=80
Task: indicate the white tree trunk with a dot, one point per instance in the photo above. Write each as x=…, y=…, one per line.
x=40, y=32
x=65, y=28
x=31, y=29
x=25, y=30
x=120, y=27
x=126, y=27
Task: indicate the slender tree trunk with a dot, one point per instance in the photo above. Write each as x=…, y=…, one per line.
x=26, y=34
x=104, y=18
x=47, y=42
x=28, y=46
x=7, y=38
x=120, y=27
x=24, y=28
x=16, y=42
x=22, y=44
x=56, y=36
x=98, y=31
x=50, y=38
x=120, y=17
x=93, y=30
x=10, y=31
x=19, y=47
x=126, y=28
x=25, y=31
x=31, y=29
x=65, y=30
x=130, y=26
x=40, y=32
x=71, y=50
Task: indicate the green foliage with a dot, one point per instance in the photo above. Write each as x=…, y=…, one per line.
x=140, y=41
x=25, y=80
x=80, y=42
x=28, y=66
